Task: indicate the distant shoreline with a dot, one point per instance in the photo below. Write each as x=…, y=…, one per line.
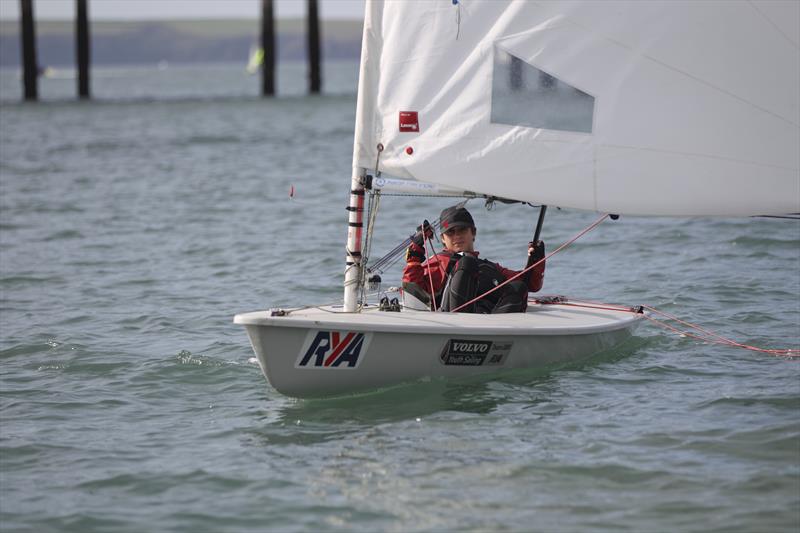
x=44, y=26
x=62, y=70
x=176, y=41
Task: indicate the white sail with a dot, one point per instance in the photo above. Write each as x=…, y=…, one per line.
x=654, y=108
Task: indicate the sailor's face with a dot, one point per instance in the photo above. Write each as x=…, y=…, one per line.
x=461, y=239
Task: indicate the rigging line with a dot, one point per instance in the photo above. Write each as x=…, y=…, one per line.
x=591, y=305
x=707, y=336
x=443, y=271
x=389, y=264
x=390, y=258
x=425, y=241
x=613, y=307
x=321, y=307
x=791, y=352
x=397, y=250
x=537, y=263
x=690, y=325
x=372, y=216
x=684, y=333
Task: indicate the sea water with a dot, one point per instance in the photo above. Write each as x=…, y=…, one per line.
x=134, y=226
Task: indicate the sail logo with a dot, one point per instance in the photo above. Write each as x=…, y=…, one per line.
x=332, y=349
x=409, y=121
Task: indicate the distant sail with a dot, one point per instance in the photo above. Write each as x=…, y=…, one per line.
x=652, y=108
x=256, y=59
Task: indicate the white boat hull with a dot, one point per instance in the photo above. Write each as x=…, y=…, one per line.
x=322, y=351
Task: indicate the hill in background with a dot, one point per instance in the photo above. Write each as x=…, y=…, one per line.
x=125, y=43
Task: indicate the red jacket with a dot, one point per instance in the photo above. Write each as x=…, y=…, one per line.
x=417, y=272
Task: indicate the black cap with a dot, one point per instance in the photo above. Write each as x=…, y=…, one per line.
x=455, y=217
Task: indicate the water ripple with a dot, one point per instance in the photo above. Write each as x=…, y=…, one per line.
x=130, y=402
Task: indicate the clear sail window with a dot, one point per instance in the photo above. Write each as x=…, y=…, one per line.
x=523, y=95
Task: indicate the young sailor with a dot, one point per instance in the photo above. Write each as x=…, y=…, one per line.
x=456, y=275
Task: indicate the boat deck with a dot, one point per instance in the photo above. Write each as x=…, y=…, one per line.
x=549, y=319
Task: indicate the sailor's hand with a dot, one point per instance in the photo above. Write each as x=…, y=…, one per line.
x=536, y=250
x=423, y=230
x=415, y=254
x=416, y=251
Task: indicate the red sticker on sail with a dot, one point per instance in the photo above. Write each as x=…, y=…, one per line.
x=409, y=121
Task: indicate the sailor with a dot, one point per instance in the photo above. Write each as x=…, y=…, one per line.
x=457, y=275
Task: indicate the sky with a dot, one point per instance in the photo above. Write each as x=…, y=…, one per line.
x=182, y=9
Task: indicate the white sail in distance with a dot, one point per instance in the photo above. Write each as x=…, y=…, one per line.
x=642, y=108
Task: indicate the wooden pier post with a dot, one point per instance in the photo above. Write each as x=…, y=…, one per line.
x=268, y=45
x=82, y=47
x=314, y=77
x=29, y=63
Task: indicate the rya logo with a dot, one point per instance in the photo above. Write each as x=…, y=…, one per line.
x=332, y=349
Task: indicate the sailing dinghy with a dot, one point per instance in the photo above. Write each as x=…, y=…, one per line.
x=632, y=108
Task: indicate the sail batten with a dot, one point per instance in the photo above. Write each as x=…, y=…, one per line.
x=647, y=108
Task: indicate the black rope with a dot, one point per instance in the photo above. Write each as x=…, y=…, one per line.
x=395, y=253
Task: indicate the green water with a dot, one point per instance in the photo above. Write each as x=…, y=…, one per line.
x=134, y=227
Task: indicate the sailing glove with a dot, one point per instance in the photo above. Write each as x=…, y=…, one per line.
x=537, y=253
x=416, y=252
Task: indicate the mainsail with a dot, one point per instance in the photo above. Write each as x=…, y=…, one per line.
x=643, y=108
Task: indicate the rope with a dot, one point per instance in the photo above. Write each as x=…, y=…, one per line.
x=537, y=263
x=716, y=338
x=425, y=241
x=706, y=335
x=590, y=305
x=372, y=215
